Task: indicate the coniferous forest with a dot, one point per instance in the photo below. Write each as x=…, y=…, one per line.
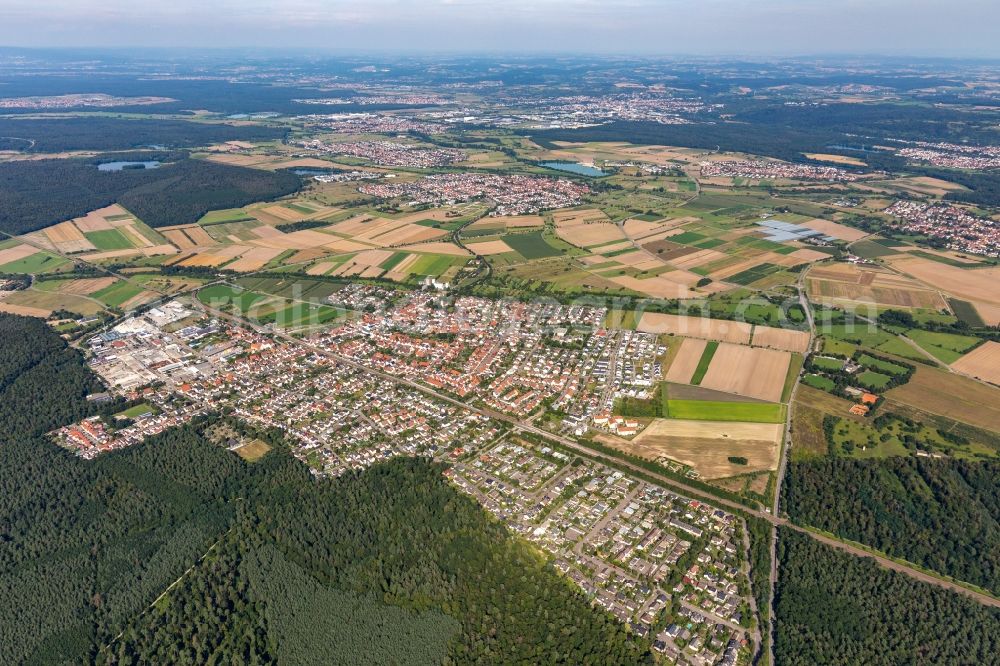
x=834, y=608
x=36, y=194
x=943, y=514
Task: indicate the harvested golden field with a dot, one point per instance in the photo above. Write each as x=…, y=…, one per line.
x=950, y=395
x=199, y=235
x=141, y=298
x=437, y=248
x=696, y=259
x=489, y=247
x=300, y=163
x=134, y=236
x=867, y=285
x=589, y=234
x=522, y=221
x=736, y=265
x=238, y=160
x=686, y=361
x=215, y=257
x=707, y=445
x=303, y=256
x=298, y=240
x=408, y=233
x=834, y=229
x=982, y=362
x=975, y=285
x=96, y=220
x=805, y=254
x=750, y=371
x=178, y=238
x=67, y=238
x=254, y=259
x=640, y=229
x=17, y=253
x=321, y=268
x=696, y=327
x=660, y=286
x=24, y=310
x=835, y=159
x=926, y=185
x=86, y=286
x=781, y=338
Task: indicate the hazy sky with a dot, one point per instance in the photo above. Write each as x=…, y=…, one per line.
x=757, y=27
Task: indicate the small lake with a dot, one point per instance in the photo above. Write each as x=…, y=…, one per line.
x=313, y=172
x=119, y=166
x=574, y=167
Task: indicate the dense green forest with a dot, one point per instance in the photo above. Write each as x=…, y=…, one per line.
x=834, y=608
x=54, y=135
x=35, y=194
x=213, y=94
x=391, y=565
x=943, y=514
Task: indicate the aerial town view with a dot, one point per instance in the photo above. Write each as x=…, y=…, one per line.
x=457, y=343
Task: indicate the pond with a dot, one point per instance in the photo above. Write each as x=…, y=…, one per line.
x=574, y=167
x=119, y=166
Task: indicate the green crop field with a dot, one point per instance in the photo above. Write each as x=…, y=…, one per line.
x=823, y=363
x=703, y=362
x=966, y=312
x=226, y=215
x=434, y=264
x=530, y=246
x=42, y=262
x=882, y=366
x=393, y=261
x=705, y=410
x=874, y=380
x=859, y=333
x=867, y=249
x=223, y=295
x=758, y=272
x=946, y=347
x=116, y=294
x=687, y=238
x=109, y=239
x=301, y=314
x=819, y=381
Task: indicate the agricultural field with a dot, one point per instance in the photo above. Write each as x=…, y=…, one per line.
x=706, y=446
x=848, y=284
x=267, y=309
x=107, y=233
x=530, y=245
x=696, y=327
x=748, y=371
x=973, y=285
x=982, y=362
x=949, y=395
x=26, y=259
